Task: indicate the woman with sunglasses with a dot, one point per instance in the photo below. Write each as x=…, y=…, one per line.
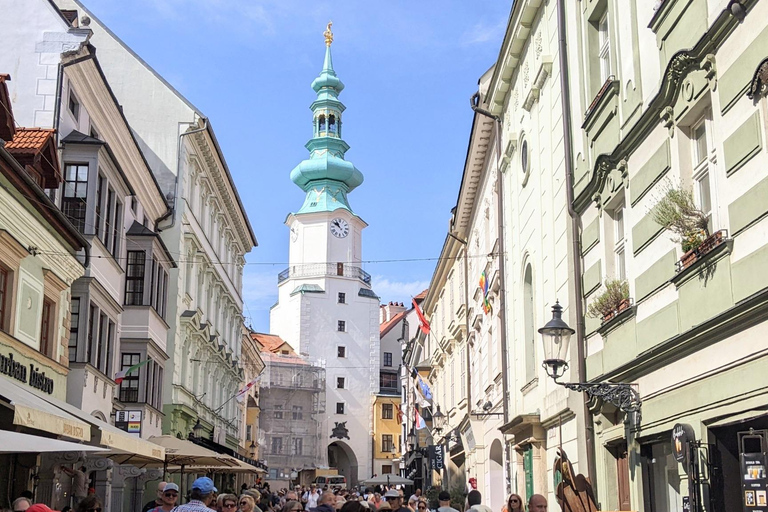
x=421, y=506
x=515, y=503
x=90, y=503
x=246, y=503
x=227, y=503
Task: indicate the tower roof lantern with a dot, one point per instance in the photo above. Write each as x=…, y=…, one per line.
x=326, y=172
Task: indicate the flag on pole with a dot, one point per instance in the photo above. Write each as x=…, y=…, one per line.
x=419, y=398
x=420, y=423
x=399, y=414
x=484, y=287
x=423, y=324
x=240, y=396
x=119, y=376
x=424, y=388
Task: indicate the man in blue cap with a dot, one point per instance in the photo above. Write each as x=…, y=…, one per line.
x=201, y=496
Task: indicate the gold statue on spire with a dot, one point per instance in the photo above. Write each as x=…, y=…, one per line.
x=328, y=34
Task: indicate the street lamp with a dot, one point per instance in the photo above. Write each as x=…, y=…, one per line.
x=556, y=336
x=411, y=441
x=197, y=430
x=252, y=449
x=438, y=420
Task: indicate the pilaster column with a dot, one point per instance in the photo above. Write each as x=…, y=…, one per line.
x=140, y=482
x=50, y=478
x=103, y=480
x=119, y=477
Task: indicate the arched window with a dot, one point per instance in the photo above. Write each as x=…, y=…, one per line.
x=332, y=124
x=321, y=123
x=530, y=331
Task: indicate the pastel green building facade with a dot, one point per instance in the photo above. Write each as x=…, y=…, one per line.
x=692, y=114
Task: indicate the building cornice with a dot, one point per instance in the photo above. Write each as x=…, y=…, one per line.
x=679, y=66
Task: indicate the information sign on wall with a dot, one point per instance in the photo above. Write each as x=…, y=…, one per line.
x=130, y=421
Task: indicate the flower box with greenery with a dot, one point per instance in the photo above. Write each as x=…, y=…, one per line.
x=677, y=212
x=613, y=300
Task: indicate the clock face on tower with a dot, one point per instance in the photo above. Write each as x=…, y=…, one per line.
x=339, y=228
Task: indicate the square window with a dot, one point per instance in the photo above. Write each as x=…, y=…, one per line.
x=386, y=469
x=699, y=133
x=340, y=381
x=388, y=381
x=604, y=50
x=278, y=412
x=297, y=412
x=342, y=326
x=73, y=105
x=342, y=298
x=388, y=359
x=339, y=407
x=341, y=351
x=387, y=443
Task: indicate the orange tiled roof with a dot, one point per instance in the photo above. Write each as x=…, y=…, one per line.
x=270, y=342
x=29, y=140
x=388, y=325
x=422, y=295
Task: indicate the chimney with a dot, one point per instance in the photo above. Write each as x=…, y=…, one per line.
x=390, y=310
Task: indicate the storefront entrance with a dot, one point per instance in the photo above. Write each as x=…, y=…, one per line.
x=725, y=488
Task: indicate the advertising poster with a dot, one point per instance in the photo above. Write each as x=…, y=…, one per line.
x=129, y=421
x=754, y=479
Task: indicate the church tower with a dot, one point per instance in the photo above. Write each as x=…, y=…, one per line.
x=326, y=308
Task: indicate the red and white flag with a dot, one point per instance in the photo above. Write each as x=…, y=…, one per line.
x=423, y=324
x=241, y=394
x=420, y=423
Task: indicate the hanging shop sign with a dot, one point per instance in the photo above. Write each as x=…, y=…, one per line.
x=130, y=421
x=753, y=452
x=682, y=438
x=28, y=375
x=436, y=462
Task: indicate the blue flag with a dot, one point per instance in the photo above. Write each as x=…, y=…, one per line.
x=424, y=388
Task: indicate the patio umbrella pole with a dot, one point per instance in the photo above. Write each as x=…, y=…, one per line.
x=182, y=483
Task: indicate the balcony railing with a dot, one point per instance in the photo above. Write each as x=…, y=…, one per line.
x=324, y=269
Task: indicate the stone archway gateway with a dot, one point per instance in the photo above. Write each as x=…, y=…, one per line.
x=342, y=458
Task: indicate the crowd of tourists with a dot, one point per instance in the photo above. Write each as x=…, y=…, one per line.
x=203, y=496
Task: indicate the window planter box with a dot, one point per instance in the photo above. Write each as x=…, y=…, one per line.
x=710, y=243
x=623, y=305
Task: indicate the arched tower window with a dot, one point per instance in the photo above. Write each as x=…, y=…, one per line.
x=321, y=124
x=530, y=332
x=332, y=124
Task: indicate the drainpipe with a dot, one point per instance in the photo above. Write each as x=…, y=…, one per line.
x=475, y=103
x=172, y=213
x=565, y=97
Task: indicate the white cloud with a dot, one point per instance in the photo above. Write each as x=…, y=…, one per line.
x=400, y=291
x=483, y=33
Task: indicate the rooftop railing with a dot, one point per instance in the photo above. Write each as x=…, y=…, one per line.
x=325, y=269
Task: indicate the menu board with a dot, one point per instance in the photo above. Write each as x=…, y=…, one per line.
x=754, y=480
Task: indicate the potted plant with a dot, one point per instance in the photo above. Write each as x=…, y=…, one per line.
x=613, y=300
x=677, y=212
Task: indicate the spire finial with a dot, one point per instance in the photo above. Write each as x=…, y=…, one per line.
x=328, y=34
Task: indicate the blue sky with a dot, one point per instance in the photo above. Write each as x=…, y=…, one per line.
x=409, y=68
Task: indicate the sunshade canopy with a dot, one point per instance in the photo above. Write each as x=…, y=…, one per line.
x=16, y=442
x=179, y=452
x=387, y=480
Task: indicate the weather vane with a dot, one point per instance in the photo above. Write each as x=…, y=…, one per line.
x=328, y=34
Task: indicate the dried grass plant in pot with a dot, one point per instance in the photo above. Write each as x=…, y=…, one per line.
x=613, y=300
x=677, y=212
